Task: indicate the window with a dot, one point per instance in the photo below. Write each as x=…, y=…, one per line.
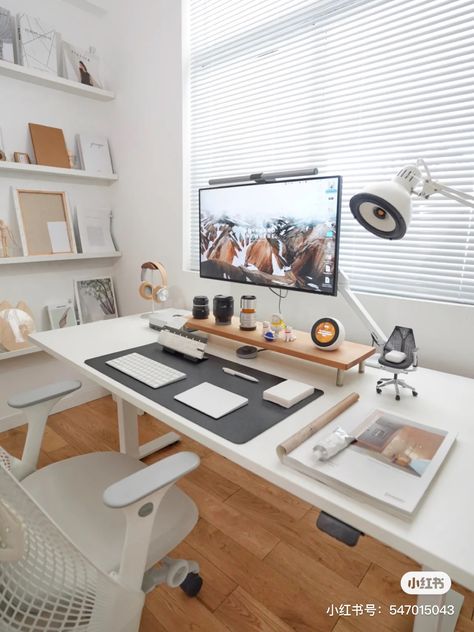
x=357, y=88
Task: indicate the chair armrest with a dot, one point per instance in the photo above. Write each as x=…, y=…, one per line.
x=415, y=357
x=43, y=394
x=151, y=479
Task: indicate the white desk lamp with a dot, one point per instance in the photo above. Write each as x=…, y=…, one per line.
x=384, y=208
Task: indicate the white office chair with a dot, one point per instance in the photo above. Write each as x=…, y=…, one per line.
x=79, y=538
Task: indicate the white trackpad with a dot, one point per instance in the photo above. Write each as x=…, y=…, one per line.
x=211, y=400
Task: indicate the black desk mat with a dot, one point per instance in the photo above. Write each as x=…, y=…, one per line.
x=239, y=426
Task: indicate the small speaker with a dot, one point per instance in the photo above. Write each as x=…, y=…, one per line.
x=328, y=334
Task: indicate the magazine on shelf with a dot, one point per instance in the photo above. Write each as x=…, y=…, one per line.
x=7, y=36
x=95, y=154
x=391, y=464
x=37, y=44
x=81, y=65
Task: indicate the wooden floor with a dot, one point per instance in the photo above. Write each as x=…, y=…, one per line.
x=266, y=568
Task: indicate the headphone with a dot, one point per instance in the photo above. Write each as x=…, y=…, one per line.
x=150, y=292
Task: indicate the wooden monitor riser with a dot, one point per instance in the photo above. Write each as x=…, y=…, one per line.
x=348, y=355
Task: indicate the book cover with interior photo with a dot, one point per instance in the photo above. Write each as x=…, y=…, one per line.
x=37, y=44
x=81, y=65
x=391, y=463
x=7, y=36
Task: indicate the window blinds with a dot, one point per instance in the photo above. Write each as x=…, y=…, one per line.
x=357, y=88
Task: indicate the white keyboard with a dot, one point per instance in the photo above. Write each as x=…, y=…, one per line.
x=149, y=372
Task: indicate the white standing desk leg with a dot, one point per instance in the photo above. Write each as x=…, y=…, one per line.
x=441, y=622
x=128, y=433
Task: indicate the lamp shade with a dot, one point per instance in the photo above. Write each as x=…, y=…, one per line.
x=384, y=208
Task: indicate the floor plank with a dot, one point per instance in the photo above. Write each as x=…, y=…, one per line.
x=242, y=613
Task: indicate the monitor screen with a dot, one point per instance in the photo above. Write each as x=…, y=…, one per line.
x=281, y=234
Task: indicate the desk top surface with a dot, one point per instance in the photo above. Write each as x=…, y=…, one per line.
x=440, y=534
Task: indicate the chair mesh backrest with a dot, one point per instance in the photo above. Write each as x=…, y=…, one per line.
x=53, y=586
x=401, y=339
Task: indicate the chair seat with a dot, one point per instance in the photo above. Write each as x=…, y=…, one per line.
x=70, y=491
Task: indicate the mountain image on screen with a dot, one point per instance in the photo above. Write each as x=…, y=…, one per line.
x=281, y=252
x=287, y=249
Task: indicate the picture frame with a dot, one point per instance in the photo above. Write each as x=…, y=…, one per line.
x=95, y=299
x=61, y=314
x=22, y=158
x=44, y=222
x=94, y=230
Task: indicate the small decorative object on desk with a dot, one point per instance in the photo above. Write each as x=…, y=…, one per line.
x=223, y=309
x=267, y=331
x=23, y=158
x=248, y=312
x=6, y=236
x=288, y=334
x=16, y=323
x=277, y=324
x=95, y=299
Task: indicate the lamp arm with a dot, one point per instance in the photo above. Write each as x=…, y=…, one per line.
x=430, y=187
x=377, y=334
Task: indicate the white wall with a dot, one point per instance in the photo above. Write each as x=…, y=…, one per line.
x=150, y=201
x=21, y=103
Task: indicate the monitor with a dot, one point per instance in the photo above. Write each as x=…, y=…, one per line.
x=282, y=234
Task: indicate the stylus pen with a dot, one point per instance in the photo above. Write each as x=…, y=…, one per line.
x=244, y=376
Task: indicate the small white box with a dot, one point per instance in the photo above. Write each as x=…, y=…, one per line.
x=288, y=393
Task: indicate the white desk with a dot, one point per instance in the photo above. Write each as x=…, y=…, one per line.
x=441, y=535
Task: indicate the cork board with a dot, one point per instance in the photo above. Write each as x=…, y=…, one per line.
x=36, y=210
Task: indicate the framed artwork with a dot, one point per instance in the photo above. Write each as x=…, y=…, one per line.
x=95, y=299
x=94, y=230
x=20, y=157
x=61, y=314
x=44, y=222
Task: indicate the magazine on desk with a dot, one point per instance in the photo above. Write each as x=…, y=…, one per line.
x=391, y=464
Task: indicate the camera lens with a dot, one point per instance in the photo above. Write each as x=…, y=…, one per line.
x=200, y=307
x=223, y=309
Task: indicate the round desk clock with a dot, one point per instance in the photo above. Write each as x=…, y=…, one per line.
x=328, y=334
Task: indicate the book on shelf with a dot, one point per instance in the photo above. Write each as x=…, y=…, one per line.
x=95, y=154
x=49, y=146
x=7, y=36
x=81, y=65
x=391, y=464
x=37, y=44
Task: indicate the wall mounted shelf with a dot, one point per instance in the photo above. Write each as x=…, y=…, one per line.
x=60, y=257
x=42, y=170
x=5, y=355
x=58, y=83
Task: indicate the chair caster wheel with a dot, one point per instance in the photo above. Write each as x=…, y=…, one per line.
x=415, y=394
x=192, y=584
x=379, y=390
x=379, y=381
x=397, y=397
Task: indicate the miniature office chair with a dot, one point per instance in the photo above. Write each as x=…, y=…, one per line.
x=399, y=355
x=79, y=538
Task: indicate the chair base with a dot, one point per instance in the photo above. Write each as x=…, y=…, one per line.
x=387, y=381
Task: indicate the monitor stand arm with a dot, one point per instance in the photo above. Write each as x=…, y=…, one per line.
x=378, y=336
